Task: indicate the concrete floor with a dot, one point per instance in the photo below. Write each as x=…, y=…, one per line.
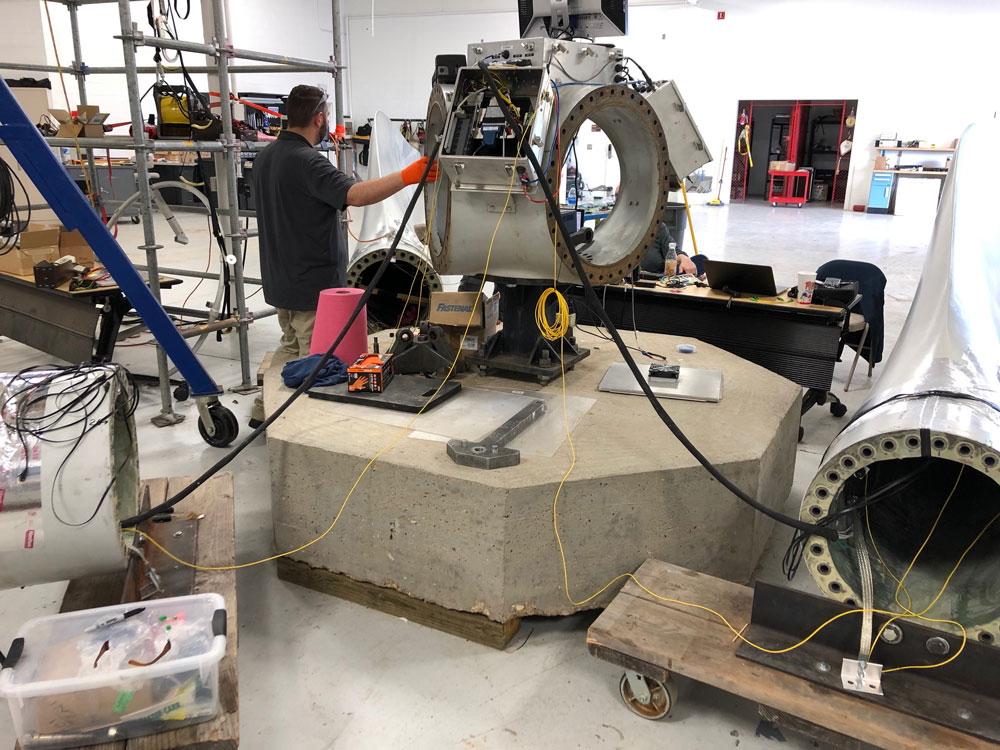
x=317, y=672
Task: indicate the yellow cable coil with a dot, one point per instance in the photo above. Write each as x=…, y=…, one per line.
x=552, y=331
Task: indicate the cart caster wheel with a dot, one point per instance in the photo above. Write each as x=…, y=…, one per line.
x=802, y=433
x=226, y=427
x=182, y=392
x=837, y=409
x=799, y=205
x=135, y=219
x=775, y=205
x=661, y=697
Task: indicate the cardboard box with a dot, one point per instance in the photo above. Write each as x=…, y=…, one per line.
x=782, y=166
x=451, y=311
x=880, y=163
x=72, y=243
x=92, y=120
x=88, y=122
x=35, y=245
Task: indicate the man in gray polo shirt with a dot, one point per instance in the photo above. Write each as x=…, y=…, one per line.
x=299, y=194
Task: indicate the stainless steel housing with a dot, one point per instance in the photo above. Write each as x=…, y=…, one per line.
x=576, y=83
x=936, y=402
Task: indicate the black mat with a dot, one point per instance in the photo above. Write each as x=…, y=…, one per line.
x=408, y=393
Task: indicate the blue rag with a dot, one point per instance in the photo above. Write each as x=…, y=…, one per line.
x=294, y=373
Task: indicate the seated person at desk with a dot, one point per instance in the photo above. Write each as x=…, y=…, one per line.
x=663, y=260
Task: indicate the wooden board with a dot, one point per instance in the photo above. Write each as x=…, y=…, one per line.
x=468, y=625
x=694, y=643
x=29, y=280
x=265, y=365
x=781, y=301
x=216, y=546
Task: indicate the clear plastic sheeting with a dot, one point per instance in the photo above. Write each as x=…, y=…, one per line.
x=388, y=153
x=403, y=293
x=475, y=412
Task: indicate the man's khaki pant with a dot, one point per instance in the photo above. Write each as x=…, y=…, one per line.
x=296, y=338
x=296, y=332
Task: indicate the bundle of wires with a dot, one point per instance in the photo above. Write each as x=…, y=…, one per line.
x=11, y=225
x=63, y=405
x=852, y=501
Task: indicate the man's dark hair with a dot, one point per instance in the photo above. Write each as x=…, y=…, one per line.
x=303, y=104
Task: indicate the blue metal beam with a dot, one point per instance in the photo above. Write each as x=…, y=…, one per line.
x=24, y=140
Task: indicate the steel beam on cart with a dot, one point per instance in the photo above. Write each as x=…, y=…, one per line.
x=36, y=158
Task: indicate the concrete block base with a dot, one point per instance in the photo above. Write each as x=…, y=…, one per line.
x=483, y=541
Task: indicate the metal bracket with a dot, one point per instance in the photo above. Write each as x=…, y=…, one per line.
x=205, y=415
x=167, y=419
x=861, y=677
x=491, y=452
x=426, y=352
x=639, y=687
x=963, y=694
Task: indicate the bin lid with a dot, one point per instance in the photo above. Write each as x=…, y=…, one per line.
x=108, y=645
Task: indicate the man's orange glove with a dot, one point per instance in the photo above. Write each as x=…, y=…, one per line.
x=413, y=173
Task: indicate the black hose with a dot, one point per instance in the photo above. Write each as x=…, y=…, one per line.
x=307, y=383
x=526, y=151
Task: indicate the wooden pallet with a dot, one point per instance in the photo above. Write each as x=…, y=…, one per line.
x=212, y=503
x=654, y=638
x=468, y=625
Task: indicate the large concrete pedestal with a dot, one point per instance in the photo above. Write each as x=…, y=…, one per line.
x=482, y=541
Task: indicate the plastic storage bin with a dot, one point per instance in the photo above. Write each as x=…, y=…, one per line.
x=106, y=674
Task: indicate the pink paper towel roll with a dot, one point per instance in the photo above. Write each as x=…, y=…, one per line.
x=335, y=307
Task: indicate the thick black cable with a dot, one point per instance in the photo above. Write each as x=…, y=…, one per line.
x=307, y=383
x=567, y=238
x=10, y=214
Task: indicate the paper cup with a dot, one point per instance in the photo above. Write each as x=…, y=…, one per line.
x=807, y=284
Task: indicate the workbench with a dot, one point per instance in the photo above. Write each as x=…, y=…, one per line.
x=77, y=326
x=651, y=638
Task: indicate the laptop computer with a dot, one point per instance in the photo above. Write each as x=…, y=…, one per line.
x=740, y=277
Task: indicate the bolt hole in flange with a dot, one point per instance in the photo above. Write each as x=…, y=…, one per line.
x=888, y=445
x=867, y=451
x=913, y=442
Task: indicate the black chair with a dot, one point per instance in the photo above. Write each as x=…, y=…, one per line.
x=865, y=333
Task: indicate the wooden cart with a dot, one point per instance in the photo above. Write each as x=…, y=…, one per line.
x=650, y=639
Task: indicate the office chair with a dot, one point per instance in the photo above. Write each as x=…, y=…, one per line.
x=865, y=333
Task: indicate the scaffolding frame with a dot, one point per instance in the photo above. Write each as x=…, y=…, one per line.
x=225, y=153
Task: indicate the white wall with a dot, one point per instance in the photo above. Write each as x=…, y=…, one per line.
x=919, y=68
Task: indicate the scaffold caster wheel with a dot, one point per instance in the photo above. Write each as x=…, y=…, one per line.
x=135, y=219
x=802, y=432
x=838, y=409
x=182, y=392
x=647, y=697
x=226, y=426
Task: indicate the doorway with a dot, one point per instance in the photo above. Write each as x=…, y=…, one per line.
x=817, y=135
